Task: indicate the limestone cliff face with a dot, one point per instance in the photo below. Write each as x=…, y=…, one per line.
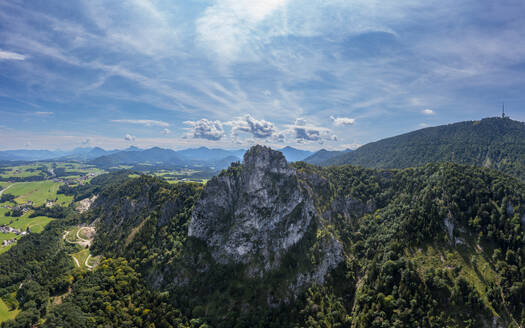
x=254, y=212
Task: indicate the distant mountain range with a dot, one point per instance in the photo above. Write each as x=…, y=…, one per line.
x=497, y=143
x=202, y=156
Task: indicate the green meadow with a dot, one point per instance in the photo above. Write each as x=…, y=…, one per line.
x=38, y=192
x=36, y=224
x=23, y=171
x=6, y=236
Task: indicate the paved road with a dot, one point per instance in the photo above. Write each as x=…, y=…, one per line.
x=2, y=191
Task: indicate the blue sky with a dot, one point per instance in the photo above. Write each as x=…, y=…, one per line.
x=228, y=73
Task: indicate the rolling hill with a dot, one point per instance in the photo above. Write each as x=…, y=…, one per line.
x=497, y=143
x=323, y=155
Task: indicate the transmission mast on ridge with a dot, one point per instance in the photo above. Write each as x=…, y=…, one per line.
x=503, y=111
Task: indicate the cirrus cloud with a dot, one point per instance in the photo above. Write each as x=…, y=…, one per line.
x=8, y=55
x=143, y=122
x=44, y=113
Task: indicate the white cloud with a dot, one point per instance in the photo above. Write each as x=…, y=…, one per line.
x=351, y=146
x=129, y=137
x=428, y=111
x=303, y=132
x=144, y=122
x=340, y=121
x=8, y=55
x=43, y=113
x=205, y=129
x=166, y=131
x=258, y=128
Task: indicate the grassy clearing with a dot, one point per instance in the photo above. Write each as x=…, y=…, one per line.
x=81, y=257
x=6, y=313
x=472, y=264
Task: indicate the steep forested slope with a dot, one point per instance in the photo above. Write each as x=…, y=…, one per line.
x=493, y=142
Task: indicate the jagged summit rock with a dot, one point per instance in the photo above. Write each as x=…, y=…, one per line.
x=254, y=212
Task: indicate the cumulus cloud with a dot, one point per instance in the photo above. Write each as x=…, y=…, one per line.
x=428, y=111
x=166, y=131
x=8, y=55
x=129, y=137
x=143, y=122
x=205, y=129
x=260, y=129
x=341, y=121
x=302, y=132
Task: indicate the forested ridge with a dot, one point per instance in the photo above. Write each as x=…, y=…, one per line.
x=497, y=143
x=434, y=246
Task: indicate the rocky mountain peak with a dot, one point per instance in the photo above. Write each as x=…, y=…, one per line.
x=254, y=212
x=264, y=158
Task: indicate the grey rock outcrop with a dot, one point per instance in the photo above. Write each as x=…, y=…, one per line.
x=254, y=212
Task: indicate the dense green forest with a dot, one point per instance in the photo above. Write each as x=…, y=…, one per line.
x=497, y=143
x=434, y=246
